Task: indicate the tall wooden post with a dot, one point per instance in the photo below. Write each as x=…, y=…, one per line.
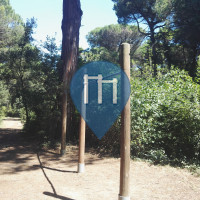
x=81, y=153
x=124, y=192
x=81, y=162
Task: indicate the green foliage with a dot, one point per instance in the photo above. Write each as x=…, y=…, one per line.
x=20, y=62
x=151, y=12
x=112, y=36
x=166, y=118
x=142, y=61
x=99, y=53
x=32, y=77
x=44, y=95
x=154, y=14
x=4, y=99
x=186, y=21
x=11, y=25
x=105, y=42
x=172, y=28
x=165, y=121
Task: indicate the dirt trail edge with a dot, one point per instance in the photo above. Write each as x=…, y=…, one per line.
x=28, y=174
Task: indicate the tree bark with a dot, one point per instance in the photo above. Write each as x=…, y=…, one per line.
x=70, y=44
x=167, y=52
x=193, y=65
x=153, y=48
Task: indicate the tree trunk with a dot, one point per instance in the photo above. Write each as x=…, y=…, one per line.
x=24, y=99
x=153, y=48
x=167, y=53
x=193, y=65
x=70, y=28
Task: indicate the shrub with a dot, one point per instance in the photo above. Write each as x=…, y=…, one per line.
x=3, y=99
x=166, y=117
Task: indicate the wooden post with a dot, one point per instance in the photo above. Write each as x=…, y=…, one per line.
x=124, y=193
x=81, y=163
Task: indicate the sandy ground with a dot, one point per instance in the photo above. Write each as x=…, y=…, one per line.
x=28, y=174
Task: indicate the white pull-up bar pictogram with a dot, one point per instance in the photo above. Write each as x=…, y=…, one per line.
x=100, y=83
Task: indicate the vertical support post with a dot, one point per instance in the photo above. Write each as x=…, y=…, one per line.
x=85, y=89
x=124, y=192
x=114, y=91
x=100, y=77
x=81, y=162
x=81, y=153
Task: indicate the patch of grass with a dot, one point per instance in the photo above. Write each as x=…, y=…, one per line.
x=194, y=169
x=192, y=166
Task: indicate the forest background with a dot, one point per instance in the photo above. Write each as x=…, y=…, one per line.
x=165, y=78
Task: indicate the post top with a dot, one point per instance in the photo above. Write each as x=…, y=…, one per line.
x=126, y=47
x=125, y=43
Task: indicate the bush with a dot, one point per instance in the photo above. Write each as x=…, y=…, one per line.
x=166, y=117
x=3, y=99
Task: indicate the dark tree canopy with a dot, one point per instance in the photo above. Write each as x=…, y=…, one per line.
x=152, y=13
x=187, y=24
x=112, y=36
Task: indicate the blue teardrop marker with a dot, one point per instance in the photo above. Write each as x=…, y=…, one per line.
x=100, y=91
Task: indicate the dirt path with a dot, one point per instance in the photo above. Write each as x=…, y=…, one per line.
x=27, y=174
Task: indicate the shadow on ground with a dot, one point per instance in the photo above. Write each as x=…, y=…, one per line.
x=18, y=154
x=56, y=196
